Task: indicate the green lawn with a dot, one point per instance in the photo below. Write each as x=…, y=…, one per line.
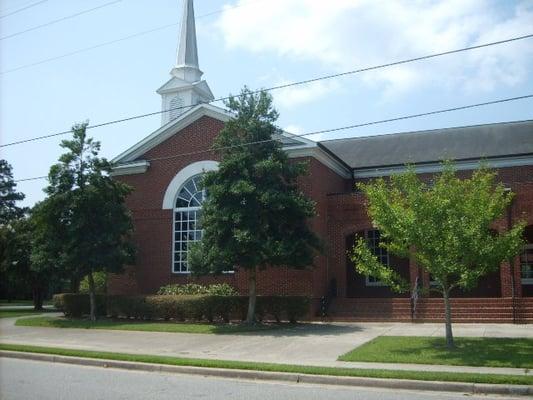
x=4, y=302
x=125, y=325
x=300, y=369
x=14, y=312
x=487, y=352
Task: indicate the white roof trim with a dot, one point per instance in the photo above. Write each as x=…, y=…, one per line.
x=321, y=156
x=175, y=184
x=168, y=130
x=137, y=167
x=503, y=162
x=128, y=163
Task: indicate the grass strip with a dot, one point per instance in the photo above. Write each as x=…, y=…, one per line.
x=174, y=327
x=486, y=352
x=17, y=312
x=5, y=303
x=299, y=369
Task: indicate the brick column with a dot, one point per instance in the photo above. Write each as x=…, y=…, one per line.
x=506, y=281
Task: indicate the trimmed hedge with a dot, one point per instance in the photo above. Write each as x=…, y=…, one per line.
x=217, y=289
x=75, y=305
x=186, y=307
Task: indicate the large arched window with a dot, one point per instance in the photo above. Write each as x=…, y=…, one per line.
x=187, y=229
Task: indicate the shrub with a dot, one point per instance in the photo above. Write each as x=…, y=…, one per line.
x=219, y=289
x=76, y=305
x=278, y=308
x=206, y=307
x=100, y=283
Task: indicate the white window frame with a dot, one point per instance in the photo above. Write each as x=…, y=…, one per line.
x=384, y=253
x=171, y=196
x=526, y=281
x=187, y=210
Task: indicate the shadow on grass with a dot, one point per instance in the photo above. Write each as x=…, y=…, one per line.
x=21, y=312
x=489, y=352
x=261, y=329
x=481, y=351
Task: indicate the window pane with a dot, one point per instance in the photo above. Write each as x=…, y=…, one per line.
x=187, y=227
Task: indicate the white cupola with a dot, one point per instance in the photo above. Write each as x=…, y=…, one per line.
x=185, y=88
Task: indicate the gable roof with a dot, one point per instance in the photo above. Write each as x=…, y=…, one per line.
x=170, y=129
x=487, y=141
x=130, y=155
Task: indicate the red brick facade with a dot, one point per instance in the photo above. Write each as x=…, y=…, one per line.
x=340, y=214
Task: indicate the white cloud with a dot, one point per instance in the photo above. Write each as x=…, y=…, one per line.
x=348, y=34
x=294, y=129
x=294, y=96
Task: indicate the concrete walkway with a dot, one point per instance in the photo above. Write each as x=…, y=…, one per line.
x=314, y=344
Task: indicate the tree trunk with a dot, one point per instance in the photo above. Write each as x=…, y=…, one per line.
x=448, y=319
x=37, y=295
x=92, y=296
x=252, y=296
x=74, y=284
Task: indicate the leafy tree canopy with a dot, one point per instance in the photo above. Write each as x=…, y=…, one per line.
x=83, y=226
x=254, y=215
x=445, y=226
x=8, y=195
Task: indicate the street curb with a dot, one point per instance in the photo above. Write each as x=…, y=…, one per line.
x=463, y=387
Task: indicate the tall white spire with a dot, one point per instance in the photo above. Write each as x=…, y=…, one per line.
x=187, y=51
x=187, y=67
x=185, y=88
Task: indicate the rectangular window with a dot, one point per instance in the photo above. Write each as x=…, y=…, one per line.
x=187, y=230
x=373, y=239
x=526, y=265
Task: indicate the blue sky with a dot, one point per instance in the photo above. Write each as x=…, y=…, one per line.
x=259, y=43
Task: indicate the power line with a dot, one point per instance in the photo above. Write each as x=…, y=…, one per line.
x=108, y=43
x=31, y=179
x=303, y=82
x=23, y=8
x=228, y=8
x=337, y=129
x=59, y=20
x=360, y=125
x=85, y=49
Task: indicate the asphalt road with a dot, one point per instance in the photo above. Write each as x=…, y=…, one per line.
x=27, y=380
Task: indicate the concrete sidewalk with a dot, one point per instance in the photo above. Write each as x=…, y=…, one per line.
x=313, y=344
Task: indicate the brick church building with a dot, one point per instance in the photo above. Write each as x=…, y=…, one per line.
x=164, y=169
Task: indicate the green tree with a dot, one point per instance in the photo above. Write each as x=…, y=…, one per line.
x=254, y=216
x=10, y=213
x=83, y=226
x=8, y=195
x=16, y=260
x=445, y=226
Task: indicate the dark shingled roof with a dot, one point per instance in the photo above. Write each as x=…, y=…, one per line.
x=462, y=143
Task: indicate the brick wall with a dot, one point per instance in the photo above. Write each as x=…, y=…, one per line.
x=347, y=214
x=153, y=225
x=340, y=212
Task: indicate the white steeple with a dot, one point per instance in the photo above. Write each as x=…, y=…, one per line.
x=185, y=88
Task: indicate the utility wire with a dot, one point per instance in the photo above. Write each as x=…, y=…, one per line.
x=108, y=43
x=337, y=129
x=59, y=20
x=85, y=49
x=23, y=8
x=297, y=83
